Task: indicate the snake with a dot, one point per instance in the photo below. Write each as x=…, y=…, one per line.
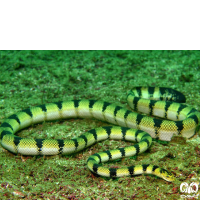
x=172, y=117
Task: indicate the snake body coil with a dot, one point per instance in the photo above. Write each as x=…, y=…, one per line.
x=185, y=120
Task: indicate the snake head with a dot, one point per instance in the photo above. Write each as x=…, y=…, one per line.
x=168, y=176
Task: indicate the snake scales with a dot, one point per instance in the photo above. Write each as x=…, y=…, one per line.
x=131, y=127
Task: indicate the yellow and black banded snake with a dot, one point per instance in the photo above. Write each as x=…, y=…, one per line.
x=131, y=126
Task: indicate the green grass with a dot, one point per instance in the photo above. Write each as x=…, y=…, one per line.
x=30, y=78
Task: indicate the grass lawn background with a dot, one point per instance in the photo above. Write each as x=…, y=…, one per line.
x=30, y=78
